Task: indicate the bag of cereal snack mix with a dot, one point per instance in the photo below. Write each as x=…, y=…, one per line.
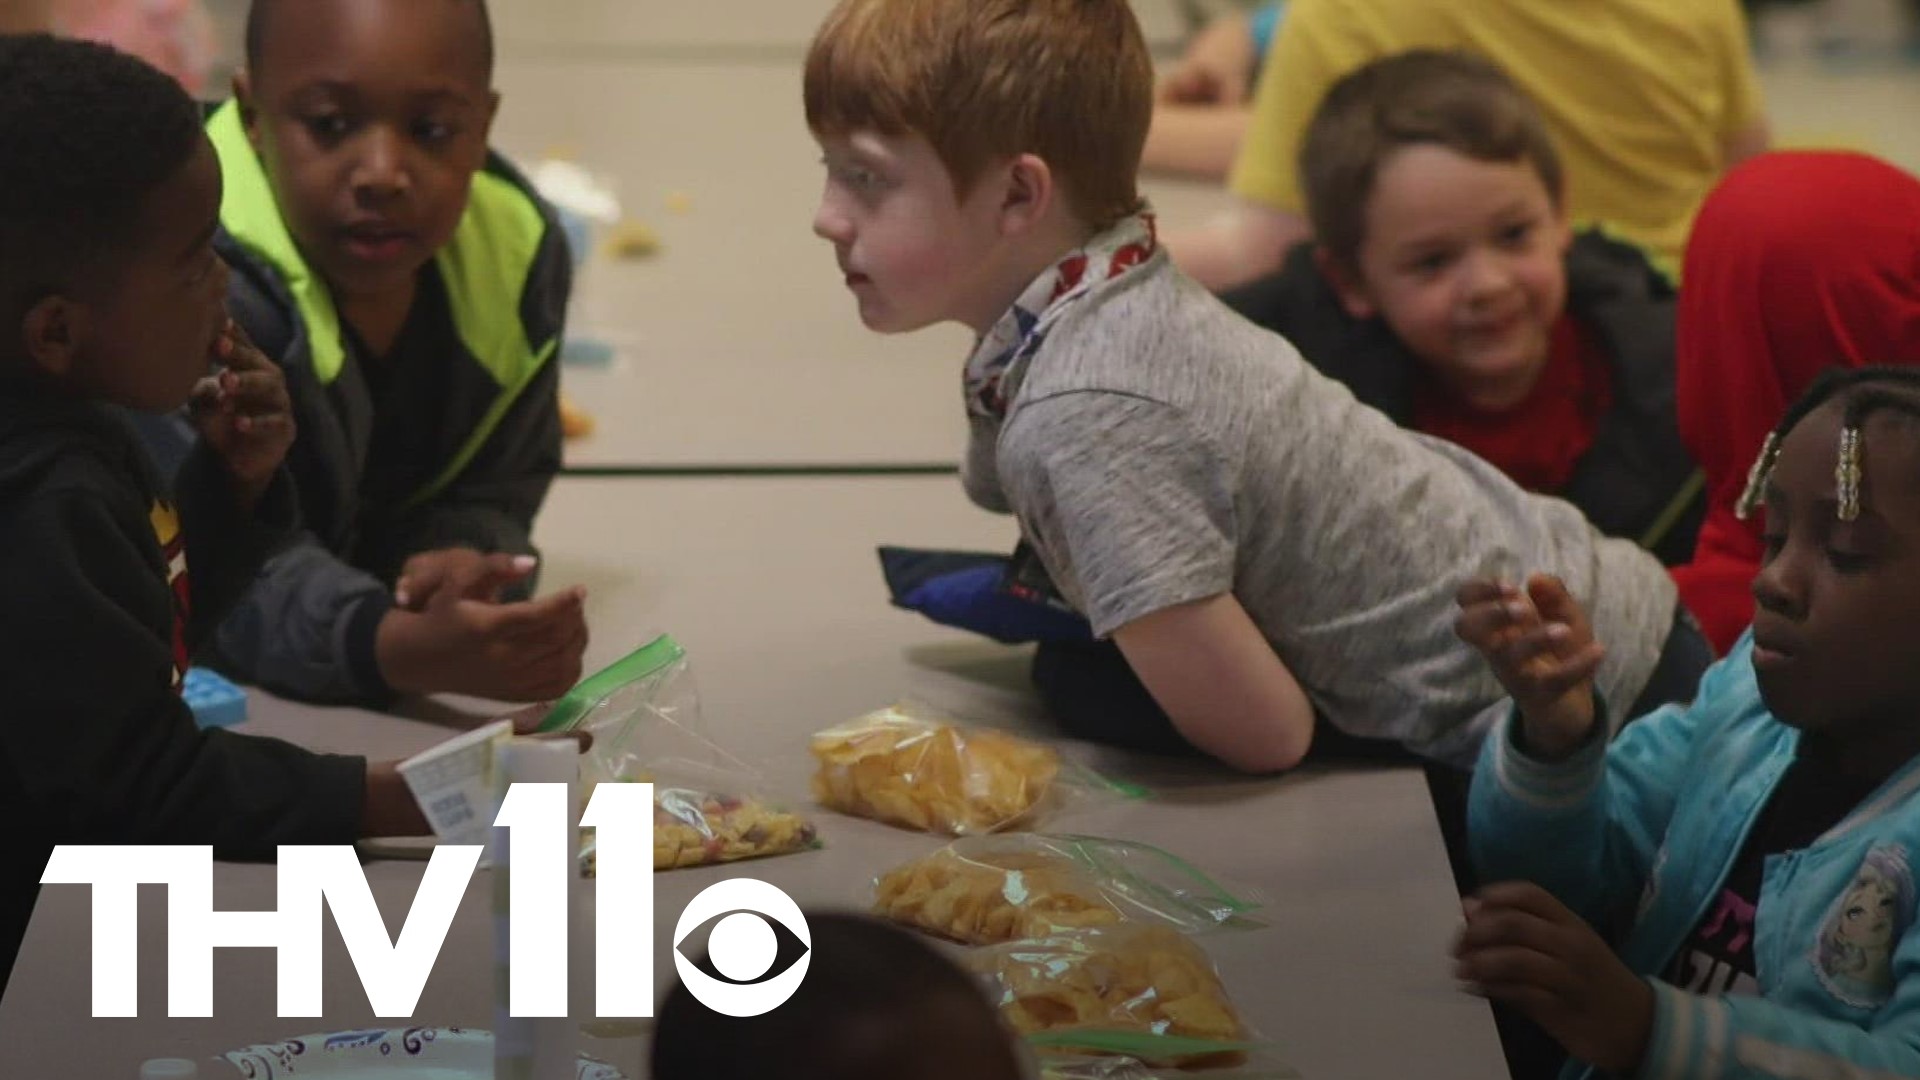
x=709, y=807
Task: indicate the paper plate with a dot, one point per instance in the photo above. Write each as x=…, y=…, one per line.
x=390, y=1054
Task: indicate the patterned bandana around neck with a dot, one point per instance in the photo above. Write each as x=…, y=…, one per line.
x=1020, y=332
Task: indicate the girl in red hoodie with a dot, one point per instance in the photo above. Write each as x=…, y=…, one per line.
x=1798, y=262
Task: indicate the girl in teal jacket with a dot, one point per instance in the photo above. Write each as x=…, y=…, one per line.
x=1753, y=854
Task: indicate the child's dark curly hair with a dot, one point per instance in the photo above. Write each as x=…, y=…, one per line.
x=89, y=134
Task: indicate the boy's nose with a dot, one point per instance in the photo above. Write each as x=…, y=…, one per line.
x=381, y=168
x=829, y=224
x=1485, y=274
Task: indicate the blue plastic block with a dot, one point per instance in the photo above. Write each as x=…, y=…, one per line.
x=215, y=701
x=588, y=352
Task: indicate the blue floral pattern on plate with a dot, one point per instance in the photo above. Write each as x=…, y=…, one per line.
x=395, y=1052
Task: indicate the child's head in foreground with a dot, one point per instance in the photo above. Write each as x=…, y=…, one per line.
x=877, y=1003
x=1438, y=205
x=1834, y=631
x=109, y=196
x=371, y=118
x=967, y=140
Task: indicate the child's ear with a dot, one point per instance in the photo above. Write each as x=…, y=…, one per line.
x=1346, y=283
x=1028, y=195
x=249, y=112
x=52, y=331
x=493, y=110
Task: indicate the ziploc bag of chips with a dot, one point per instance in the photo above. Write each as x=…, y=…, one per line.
x=1136, y=990
x=908, y=765
x=984, y=890
x=709, y=806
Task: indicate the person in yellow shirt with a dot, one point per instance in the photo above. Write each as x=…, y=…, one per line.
x=1650, y=102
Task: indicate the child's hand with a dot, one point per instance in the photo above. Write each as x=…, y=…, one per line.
x=1524, y=947
x=460, y=572
x=529, y=651
x=244, y=414
x=527, y=721
x=1542, y=648
x=1192, y=84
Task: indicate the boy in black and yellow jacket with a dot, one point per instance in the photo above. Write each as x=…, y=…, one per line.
x=413, y=288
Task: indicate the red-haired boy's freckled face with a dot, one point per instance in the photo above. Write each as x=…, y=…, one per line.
x=912, y=250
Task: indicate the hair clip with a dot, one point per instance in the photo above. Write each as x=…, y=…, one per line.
x=1757, y=477
x=1846, y=473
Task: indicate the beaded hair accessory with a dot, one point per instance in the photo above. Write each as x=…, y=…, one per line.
x=1757, y=477
x=1846, y=473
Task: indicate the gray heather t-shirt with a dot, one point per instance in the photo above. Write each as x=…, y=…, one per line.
x=1159, y=449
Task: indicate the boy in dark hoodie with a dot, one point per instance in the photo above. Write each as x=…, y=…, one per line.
x=1446, y=288
x=112, y=298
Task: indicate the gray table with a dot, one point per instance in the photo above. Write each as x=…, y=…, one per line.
x=772, y=587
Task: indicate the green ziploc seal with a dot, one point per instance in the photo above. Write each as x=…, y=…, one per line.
x=645, y=661
x=1123, y=789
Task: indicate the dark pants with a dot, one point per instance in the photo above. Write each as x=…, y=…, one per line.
x=1094, y=695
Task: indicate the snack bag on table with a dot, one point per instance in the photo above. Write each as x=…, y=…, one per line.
x=985, y=890
x=908, y=765
x=644, y=715
x=1134, y=990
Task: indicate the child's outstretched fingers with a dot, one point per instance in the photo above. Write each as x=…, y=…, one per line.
x=1546, y=660
x=1555, y=604
x=551, y=618
x=460, y=573
x=1561, y=649
x=1491, y=614
x=1483, y=591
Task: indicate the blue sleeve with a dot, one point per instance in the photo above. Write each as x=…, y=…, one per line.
x=1751, y=1038
x=1587, y=829
x=1265, y=25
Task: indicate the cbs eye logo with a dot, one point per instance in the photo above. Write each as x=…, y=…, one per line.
x=751, y=928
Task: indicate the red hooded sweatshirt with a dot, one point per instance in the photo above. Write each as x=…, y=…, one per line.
x=1797, y=262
